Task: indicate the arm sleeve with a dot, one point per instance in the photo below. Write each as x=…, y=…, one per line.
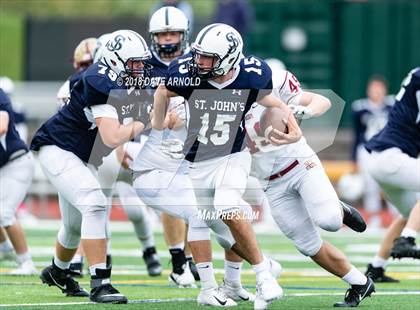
x=104, y=110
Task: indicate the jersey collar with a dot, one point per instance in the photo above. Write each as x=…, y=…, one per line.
x=226, y=83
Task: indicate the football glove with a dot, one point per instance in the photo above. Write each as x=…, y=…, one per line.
x=301, y=112
x=144, y=112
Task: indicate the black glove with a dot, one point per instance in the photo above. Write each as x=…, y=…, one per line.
x=144, y=112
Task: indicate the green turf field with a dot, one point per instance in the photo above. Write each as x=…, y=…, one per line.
x=306, y=286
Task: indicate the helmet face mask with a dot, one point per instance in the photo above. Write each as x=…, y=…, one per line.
x=204, y=72
x=138, y=66
x=168, y=49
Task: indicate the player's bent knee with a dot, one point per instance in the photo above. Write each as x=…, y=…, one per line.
x=329, y=217
x=331, y=223
x=309, y=246
x=226, y=241
x=7, y=217
x=223, y=235
x=94, y=218
x=69, y=237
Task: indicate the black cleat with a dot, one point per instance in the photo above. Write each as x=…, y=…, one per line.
x=193, y=268
x=352, y=218
x=405, y=247
x=106, y=293
x=76, y=270
x=377, y=274
x=356, y=293
x=151, y=259
x=102, y=290
x=53, y=275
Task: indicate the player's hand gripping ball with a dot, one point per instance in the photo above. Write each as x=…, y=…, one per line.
x=273, y=120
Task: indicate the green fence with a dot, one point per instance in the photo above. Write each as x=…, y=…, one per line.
x=346, y=41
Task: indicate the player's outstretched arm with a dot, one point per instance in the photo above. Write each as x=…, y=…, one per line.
x=4, y=122
x=312, y=105
x=160, y=105
x=114, y=134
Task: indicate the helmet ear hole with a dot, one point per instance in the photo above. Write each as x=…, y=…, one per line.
x=113, y=62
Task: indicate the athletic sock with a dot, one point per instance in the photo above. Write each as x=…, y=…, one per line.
x=233, y=271
x=262, y=270
x=61, y=264
x=354, y=277
x=92, y=269
x=77, y=259
x=23, y=257
x=207, y=279
x=378, y=261
x=408, y=232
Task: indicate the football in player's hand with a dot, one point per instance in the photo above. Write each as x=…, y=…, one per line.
x=273, y=118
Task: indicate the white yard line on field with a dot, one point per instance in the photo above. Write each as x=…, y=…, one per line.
x=193, y=299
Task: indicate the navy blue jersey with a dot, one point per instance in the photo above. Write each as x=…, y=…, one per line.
x=403, y=127
x=74, y=129
x=75, y=77
x=368, y=119
x=11, y=142
x=216, y=112
x=158, y=72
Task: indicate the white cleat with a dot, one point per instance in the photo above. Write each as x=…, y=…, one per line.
x=214, y=297
x=236, y=292
x=7, y=255
x=268, y=290
x=27, y=268
x=183, y=280
x=275, y=268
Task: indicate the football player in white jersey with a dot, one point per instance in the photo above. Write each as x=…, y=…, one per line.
x=300, y=194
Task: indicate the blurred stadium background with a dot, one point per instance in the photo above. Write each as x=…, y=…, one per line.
x=333, y=46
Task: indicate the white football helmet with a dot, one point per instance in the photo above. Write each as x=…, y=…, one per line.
x=223, y=43
x=83, y=53
x=123, y=46
x=350, y=187
x=168, y=19
x=7, y=85
x=100, y=45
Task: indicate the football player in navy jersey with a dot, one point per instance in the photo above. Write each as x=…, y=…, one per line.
x=101, y=114
x=90, y=51
x=394, y=163
x=16, y=171
x=220, y=85
x=169, y=31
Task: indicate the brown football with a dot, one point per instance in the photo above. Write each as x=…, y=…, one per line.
x=273, y=117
